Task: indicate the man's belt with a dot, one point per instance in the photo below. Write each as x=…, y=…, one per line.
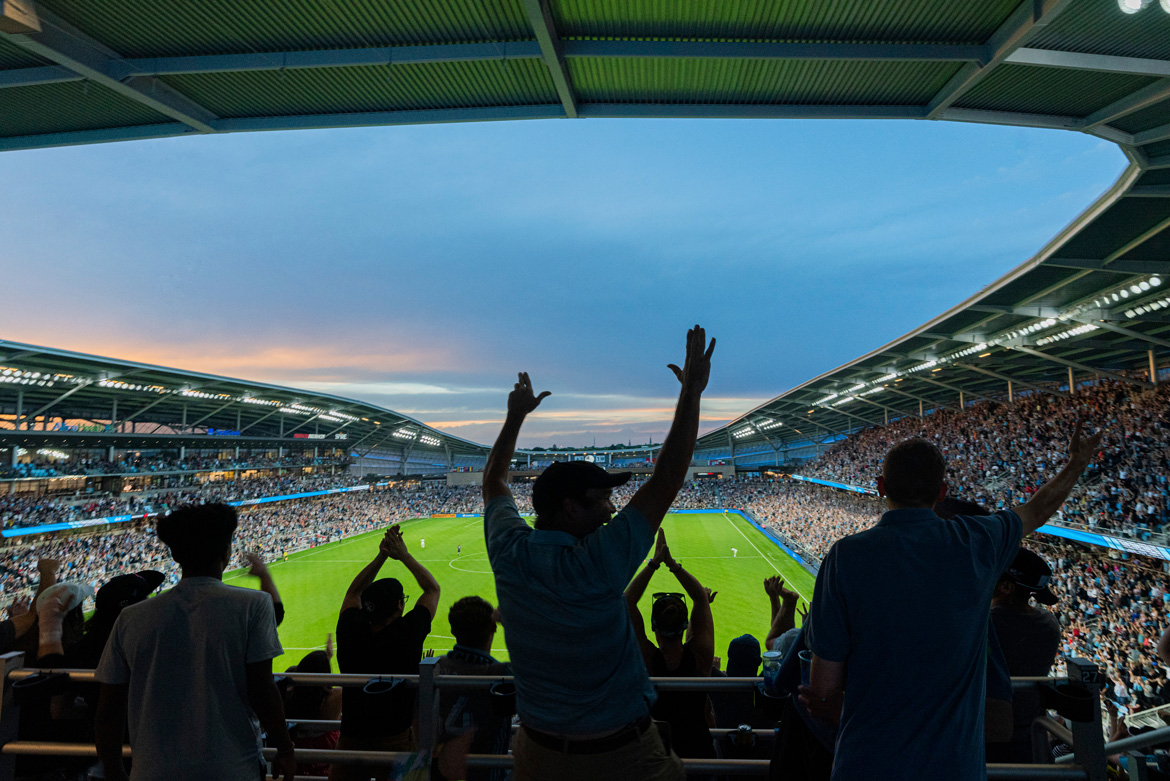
x=626, y=735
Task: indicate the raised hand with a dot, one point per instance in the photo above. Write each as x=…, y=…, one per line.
x=48, y=567
x=772, y=586
x=1081, y=451
x=787, y=595
x=256, y=565
x=661, y=549
x=803, y=613
x=329, y=645
x=710, y=595
x=697, y=366
x=393, y=545
x=521, y=400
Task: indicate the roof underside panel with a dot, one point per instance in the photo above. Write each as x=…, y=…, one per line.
x=148, y=28
x=1154, y=178
x=371, y=88
x=12, y=57
x=1057, y=91
x=1159, y=149
x=1154, y=116
x=889, y=21
x=796, y=82
x=1123, y=223
x=1099, y=27
x=68, y=106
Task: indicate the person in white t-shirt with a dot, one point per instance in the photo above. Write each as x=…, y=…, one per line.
x=191, y=669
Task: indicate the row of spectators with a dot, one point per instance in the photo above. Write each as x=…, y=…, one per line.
x=42, y=465
x=24, y=510
x=999, y=454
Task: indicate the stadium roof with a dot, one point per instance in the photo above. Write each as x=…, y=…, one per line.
x=104, y=70
x=1095, y=302
x=153, y=405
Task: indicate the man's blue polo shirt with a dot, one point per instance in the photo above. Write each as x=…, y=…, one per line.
x=906, y=605
x=577, y=664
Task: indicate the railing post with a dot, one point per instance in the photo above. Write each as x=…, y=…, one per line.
x=9, y=712
x=1137, y=769
x=428, y=712
x=1088, y=736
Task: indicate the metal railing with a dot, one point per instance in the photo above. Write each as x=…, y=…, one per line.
x=1087, y=762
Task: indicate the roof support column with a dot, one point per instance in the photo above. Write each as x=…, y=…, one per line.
x=114, y=416
x=1071, y=383
x=1153, y=369
x=962, y=404
x=920, y=414
x=1011, y=396
x=19, y=413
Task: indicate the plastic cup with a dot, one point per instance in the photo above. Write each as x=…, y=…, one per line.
x=805, y=667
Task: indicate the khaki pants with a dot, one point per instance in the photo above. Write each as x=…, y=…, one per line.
x=644, y=759
x=403, y=741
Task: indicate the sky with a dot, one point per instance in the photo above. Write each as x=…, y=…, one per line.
x=421, y=267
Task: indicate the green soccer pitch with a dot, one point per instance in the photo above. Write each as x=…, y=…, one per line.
x=312, y=583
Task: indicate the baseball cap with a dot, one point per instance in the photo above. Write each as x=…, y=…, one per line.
x=1031, y=572
x=570, y=480
x=382, y=596
x=743, y=657
x=124, y=590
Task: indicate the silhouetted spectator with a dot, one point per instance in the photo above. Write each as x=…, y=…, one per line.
x=377, y=636
x=905, y=606
x=473, y=623
x=684, y=711
x=582, y=691
x=1030, y=638
x=192, y=668
x=312, y=703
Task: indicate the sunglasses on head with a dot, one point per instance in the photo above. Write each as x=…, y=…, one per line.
x=668, y=595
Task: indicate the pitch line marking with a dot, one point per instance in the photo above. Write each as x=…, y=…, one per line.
x=778, y=572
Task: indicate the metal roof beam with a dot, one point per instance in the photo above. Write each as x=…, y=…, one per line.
x=916, y=397
x=1149, y=191
x=159, y=400
x=1084, y=367
x=1154, y=163
x=32, y=77
x=746, y=111
x=1011, y=36
x=1117, y=266
x=60, y=43
x=32, y=416
x=552, y=52
x=1143, y=98
x=100, y=136
x=260, y=419
x=754, y=50
x=327, y=58
x=1117, y=329
x=306, y=422
x=1103, y=63
x=839, y=411
x=1160, y=133
x=1004, y=377
x=209, y=414
x=378, y=118
x=1012, y=118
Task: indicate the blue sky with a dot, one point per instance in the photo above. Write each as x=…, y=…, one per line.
x=421, y=267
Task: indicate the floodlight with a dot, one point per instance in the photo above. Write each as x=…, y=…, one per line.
x=1165, y=5
x=1124, y=293
x=1130, y=6
x=1134, y=289
x=1144, y=285
x=1155, y=281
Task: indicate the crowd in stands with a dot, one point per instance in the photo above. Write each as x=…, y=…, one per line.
x=25, y=510
x=39, y=465
x=999, y=453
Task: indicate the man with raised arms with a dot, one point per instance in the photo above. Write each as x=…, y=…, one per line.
x=582, y=691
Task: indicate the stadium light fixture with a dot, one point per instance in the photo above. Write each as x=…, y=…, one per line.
x=1132, y=6
x=1155, y=281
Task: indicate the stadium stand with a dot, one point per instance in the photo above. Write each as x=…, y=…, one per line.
x=1087, y=305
